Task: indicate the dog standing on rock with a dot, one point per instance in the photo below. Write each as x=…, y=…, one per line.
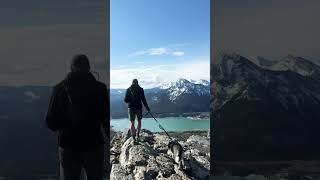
x=175, y=150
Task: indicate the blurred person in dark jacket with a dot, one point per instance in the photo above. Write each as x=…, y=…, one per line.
x=79, y=112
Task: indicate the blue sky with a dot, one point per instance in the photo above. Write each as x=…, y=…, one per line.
x=158, y=41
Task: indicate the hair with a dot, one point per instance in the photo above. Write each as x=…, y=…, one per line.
x=80, y=63
x=135, y=81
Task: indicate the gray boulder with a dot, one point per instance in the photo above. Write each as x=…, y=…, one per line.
x=161, y=143
x=136, y=155
x=149, y=160
x=199, y=139
x=126, y=135
x=147, y=137
x=119, y=173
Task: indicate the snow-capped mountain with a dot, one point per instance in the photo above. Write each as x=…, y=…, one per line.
x=296, y=64
x=275, y=104
x=183, y=86
x=290, y=80
x=177, y=88
x=201, y=81
x=176, y=97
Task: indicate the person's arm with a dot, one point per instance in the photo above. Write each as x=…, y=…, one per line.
x=144, y=101
x=106, y=109
x=51, y=116
x=127, y=96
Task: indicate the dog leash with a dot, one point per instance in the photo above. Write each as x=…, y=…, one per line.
x=161, y=127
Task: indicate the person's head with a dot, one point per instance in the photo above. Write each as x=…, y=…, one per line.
x=80, y=63
x=135, y=81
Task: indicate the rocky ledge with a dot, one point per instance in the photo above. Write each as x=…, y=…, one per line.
x=149, y=159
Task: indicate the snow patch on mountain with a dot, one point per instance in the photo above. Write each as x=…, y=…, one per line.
x=175, y=89
x=183, y=86
x=292, y=63
x=296, y=64
x=292, y=81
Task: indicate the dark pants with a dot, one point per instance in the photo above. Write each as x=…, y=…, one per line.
x=72, y=162
x=133, y=113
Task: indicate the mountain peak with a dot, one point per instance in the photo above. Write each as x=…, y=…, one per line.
x=264, y=62
x=184, y=86
x=293, y=57
x=228, y=55
x=296, y=64
x=229, y=63
x=204, y=82
x=245, y=94
x=182, y=80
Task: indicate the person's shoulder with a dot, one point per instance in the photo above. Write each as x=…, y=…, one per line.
x=101, y=86
x=57, y=89
x=58, y=86
x=140, y=90
x=99, y=83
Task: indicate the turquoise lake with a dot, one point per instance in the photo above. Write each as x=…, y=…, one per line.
x=169, y=124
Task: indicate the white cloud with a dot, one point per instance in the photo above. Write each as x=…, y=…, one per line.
x=178, y=53
x=158, y=52
x=179, y=45
x=138, y=62
x=158, y=75
x=138, y=53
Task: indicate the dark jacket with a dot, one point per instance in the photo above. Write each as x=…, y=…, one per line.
x=78, y=109
x=134, y=97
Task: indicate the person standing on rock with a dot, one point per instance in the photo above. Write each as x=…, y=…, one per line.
x=79, y=112
x=135, y=97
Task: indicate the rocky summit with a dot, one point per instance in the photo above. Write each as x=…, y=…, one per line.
x=150, y=158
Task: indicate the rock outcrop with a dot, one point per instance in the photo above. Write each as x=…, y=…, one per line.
x=149, y=158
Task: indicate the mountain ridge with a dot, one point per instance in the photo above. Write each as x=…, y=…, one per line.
x=176, y=98
x=261, y=107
